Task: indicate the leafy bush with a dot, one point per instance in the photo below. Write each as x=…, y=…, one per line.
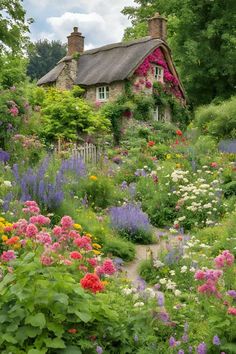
x=230, y=189
x=131, y=223
x=118, y=247
x=69, y=117
x=218, y=120
x=98, y=191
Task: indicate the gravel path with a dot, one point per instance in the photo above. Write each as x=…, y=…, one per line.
x=143, y=252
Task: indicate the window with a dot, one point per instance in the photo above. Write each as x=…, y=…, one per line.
x=159, y=73
x=102, y=93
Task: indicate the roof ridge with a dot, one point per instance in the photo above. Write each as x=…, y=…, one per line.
x=120, y=44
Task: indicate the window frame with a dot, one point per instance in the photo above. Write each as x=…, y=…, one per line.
x=159, y=76
x=102, y=93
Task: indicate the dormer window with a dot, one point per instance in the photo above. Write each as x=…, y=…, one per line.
x=102, y=93
x=159, y=73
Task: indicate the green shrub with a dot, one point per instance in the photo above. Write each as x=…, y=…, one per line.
x=68, y=117
x=118, y=247
x=218, y=120
x=230, y=189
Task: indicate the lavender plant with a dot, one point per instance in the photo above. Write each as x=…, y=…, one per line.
x=48, y=192
x=131, y=222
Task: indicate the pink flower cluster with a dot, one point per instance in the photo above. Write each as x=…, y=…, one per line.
x=83, y=242
x=14, y=111
x=157, y=57
x=107, y=268
x=31, y=207
x=40, y=220
x=211, y=277
x=224, y=259
x=8, y=256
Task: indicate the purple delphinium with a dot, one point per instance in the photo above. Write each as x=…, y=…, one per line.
x=216, y=340
x=124, y=185
x=135, y=338
x=4, y=156
x=129, y=218
x=181, y=351
x=201, y=348
x=232, y=293
x=99, y=350
x=160, y=299
x=172, y=341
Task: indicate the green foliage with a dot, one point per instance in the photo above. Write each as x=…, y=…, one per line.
x=144, y=105
x=13, y=71
x=13, y=26
x=99, y=193
x=69, y=117
x=197, y=31
x=230, y=189
x=218, y=120
x=118, y=247
x=43, y=56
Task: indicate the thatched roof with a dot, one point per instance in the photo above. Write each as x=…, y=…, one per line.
x=52, y=75
x=114, y=62
x=106, y=64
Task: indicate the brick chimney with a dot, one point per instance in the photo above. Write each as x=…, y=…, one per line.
x=157, y=26
x=75, y=42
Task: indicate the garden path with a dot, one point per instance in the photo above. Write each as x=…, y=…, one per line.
x=143, y=252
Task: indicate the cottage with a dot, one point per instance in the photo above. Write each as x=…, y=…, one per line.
x=103, y=71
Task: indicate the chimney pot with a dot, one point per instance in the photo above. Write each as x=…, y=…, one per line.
x=75, y=42
x=158, y=27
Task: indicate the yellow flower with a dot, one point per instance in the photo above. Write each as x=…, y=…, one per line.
x=2, y=219
x=89, y=235
x=4, y=238
x=96, y=245
x=96, y=252
x=78, y=226
x=104, y=282
x=93, y=178
x=178, y=165
x=168, y=156
x=16, y=246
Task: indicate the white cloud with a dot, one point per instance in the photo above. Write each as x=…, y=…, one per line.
x=100, y=21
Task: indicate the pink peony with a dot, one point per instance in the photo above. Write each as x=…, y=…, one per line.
x=14, y=111
x=83, y=242
x=8, y=256
x=66, y=222
x=108, y=267
x=75, y=255
x=46, y=260
x=92, y=262
x=44, y=238
x=31, y=230
x=40, y=219
x=224, y=259
x=232, y=311
x=57, y=230
x=199, y=275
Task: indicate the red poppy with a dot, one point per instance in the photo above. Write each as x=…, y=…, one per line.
x=151, y=143
x=214, y=164
x=178, y=132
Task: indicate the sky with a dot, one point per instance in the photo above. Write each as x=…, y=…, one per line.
x=100, y=21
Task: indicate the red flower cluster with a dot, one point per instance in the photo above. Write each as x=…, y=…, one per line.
x=92, y=282
x=214, y=164
x=178, y=132
x=151, y=143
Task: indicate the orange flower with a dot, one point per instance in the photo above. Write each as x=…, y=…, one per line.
x=72, y=330
x=151, y=143
x=12, y=240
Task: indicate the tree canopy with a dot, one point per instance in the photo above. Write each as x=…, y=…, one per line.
x=43, y=56
x=202, y=36
x=13, y=26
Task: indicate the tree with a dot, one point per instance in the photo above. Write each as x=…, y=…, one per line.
x=202, y=36
x=13, y=26
x=43, y=56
